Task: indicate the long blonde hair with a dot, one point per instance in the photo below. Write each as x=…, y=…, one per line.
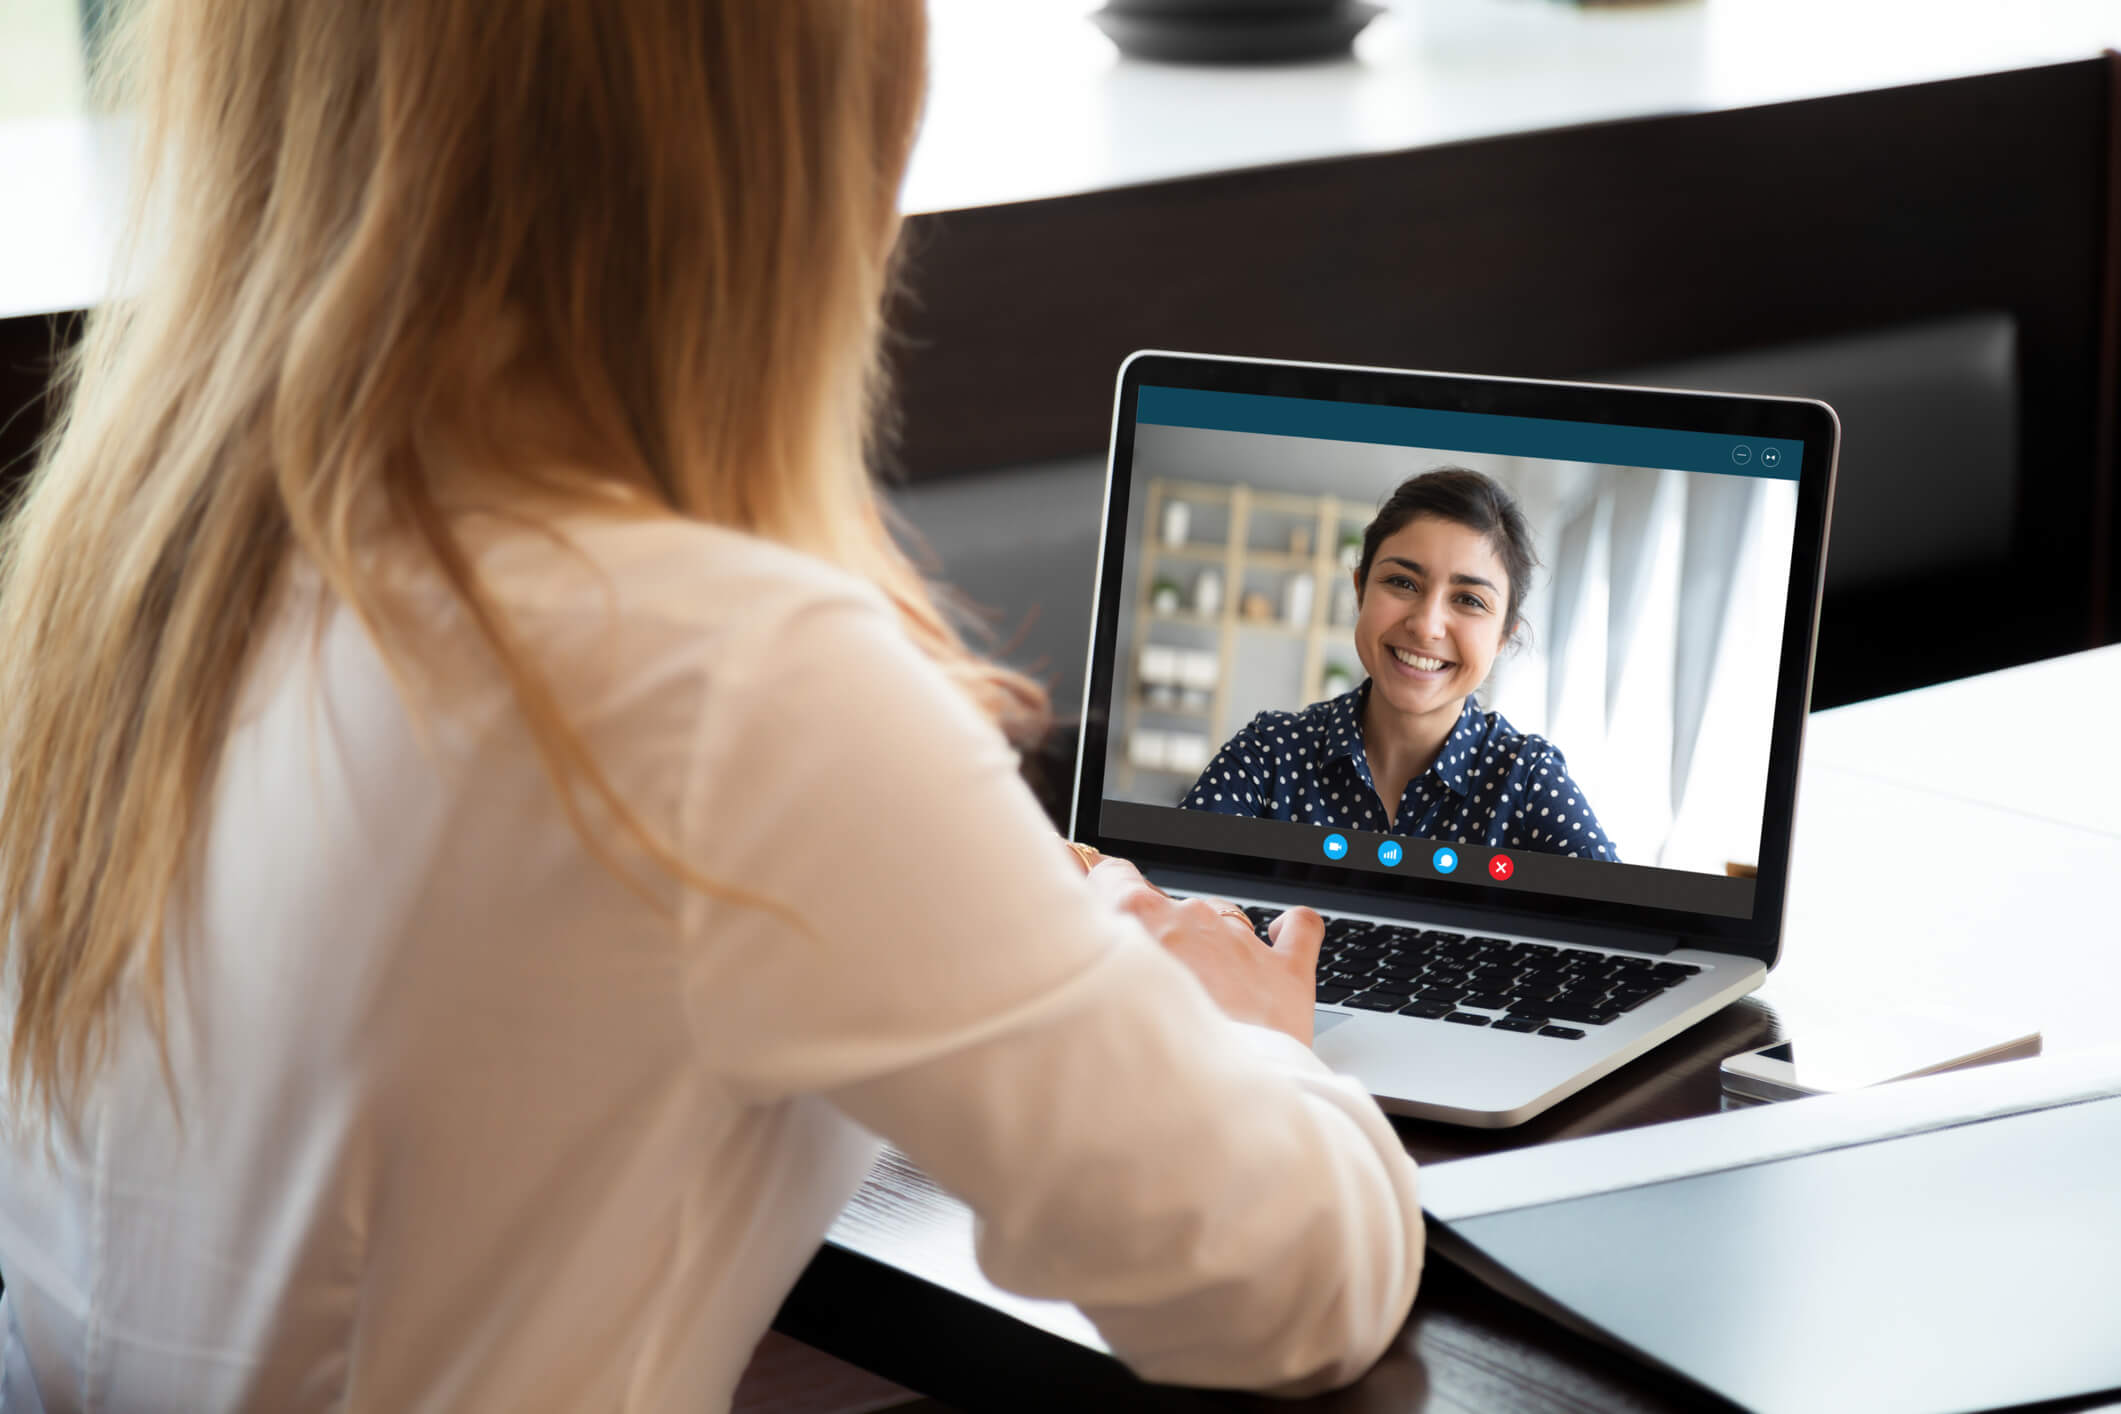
x=379, y=226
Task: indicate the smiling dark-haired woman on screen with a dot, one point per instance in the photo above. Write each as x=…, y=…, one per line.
x=495, y=830
x=1445, y=566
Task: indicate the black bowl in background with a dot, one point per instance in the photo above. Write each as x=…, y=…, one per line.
x=1212, y=10
x=1234, y=31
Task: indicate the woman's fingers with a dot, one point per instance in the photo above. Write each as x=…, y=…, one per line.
x=1203, y=915
x=1271, y=986
x=1085, y=857
x=1299, y=933
x=1296, y=934
x=1122, y=885
x=1113, y=877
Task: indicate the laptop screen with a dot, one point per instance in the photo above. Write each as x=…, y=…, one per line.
x=1444, y=651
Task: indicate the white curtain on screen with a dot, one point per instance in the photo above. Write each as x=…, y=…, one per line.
x=1655, y=632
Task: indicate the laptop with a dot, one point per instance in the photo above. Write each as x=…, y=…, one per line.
x=1506, y=678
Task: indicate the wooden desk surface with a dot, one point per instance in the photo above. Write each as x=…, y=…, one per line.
x=1930, y=878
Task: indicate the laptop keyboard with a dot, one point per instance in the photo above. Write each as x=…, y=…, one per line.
x=1471, y=980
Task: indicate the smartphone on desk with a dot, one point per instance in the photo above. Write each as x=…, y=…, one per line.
x=1869, y=1052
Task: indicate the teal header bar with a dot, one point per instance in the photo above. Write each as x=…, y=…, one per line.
x=1550, y=438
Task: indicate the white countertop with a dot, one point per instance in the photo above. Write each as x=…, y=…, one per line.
x=1028, y=100
x=62, y=192
x=2037, y=741
x=1958, y=853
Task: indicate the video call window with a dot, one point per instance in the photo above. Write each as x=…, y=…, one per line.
x=1595, y=646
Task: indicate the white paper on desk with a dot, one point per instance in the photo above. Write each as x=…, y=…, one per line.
x=1579, y=1168
x=931, y=1237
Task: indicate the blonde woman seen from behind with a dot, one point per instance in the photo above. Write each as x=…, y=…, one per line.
x=494, y=827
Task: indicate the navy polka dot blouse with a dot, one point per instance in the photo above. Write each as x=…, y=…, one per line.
x=1491, y=785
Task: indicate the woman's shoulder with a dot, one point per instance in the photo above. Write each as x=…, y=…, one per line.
x=1500, y=739
x=1281, y=731
x=667, y=568
x=643, y=609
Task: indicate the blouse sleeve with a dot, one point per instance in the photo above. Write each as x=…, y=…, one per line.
x=1235, y=782
x=1554, y=816
x=1224, y=1208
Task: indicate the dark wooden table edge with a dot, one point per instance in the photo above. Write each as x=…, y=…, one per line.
x=884, y=1320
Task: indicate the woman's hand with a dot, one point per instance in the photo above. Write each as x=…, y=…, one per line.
x=1270, y=986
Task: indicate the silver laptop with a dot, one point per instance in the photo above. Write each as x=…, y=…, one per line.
x=1506, y=678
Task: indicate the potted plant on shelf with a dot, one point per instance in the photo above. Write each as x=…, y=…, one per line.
x=1351, y=549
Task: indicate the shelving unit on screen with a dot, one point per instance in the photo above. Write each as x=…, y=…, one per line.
x=1237, y=608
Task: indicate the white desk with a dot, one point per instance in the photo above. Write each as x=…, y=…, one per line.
x=2039, y=740
x=1952, y=858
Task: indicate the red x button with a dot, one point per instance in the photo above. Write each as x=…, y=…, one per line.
x=1500, y=866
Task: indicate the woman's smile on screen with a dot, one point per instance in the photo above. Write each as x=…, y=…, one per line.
x=1429, y=625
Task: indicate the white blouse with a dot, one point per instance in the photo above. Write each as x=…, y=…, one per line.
x=462, y=1121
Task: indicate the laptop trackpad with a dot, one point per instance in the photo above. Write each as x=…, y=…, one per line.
x=1323, y=1021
